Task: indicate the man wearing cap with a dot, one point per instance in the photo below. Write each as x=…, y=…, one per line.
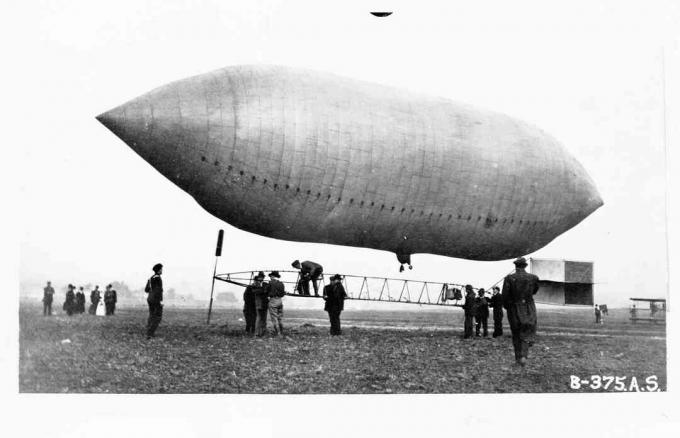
x=518, y=299
x=249, y=310
x=496, y=303
x=275, y=293
x=154, y=290
x=308, y=271
x=48, y=297
x=334, y=294
x=261, y=308
x=469, y=308
x=110, y=299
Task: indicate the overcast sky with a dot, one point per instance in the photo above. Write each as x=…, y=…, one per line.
x=587, y=72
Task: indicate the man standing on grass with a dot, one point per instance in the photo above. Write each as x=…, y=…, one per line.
x=334, y=294
x=469, y=311
x=70, y=302
x=80, y=300
x=497, y=305
x=154, y=289
x=481, y=313
x=275, y=292
x=48, y=297
x=249, y=310
x=261, y=308
x=110, y=299
x=519, y=289
x=95, y=296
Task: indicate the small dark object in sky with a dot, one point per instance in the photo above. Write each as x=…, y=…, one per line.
x=381, y=14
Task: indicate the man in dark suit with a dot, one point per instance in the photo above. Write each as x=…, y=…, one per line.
x=48, y=297
x=481, y=313
x=154, y=289
x=110, y=299
x=70, y=302
x=249, y=310
x=518, y=299
x=80, y=300
x=308, y=271
x=261, y=309
x=95, y=296
x=334, y=294
x=469, y=308
x=496, y=302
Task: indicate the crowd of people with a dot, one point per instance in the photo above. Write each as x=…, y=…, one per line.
x=74, y=301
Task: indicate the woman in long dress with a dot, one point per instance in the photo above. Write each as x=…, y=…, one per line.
x=101, y=309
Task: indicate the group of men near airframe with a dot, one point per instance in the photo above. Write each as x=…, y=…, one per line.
x=74, y=302
x=266, y=298
x=262, y=299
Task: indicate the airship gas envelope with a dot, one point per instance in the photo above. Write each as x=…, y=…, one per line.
x=307, y=156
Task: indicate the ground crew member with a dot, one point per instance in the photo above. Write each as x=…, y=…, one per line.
x=69, y=303
x=518, y=299
x=80, y=301
x=598, y=315
x=334, y=294
x=95, y=296
x=308, y=271
x=481, y=313
x=261, y=309
x=275, y=292
x=154, y=290
x=469, y=309
x=110, y=299
x=496, y=303
x=48, y=297
x=633, y=313
x=249, y=312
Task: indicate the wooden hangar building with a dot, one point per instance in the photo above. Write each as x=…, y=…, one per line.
x=564, y=282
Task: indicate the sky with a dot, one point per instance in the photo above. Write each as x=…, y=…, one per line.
x=587, y=72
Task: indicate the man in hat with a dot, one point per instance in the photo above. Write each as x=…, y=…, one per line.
x=261, y=309
x=80, y=300
x=48, y=297
x=154, y=289
x=518, y=293
x=95, y=296
x=496, y=303
x=334, y=294
x=110, y=299
x=308, y=271
x=469, y=308
x=249, y=310
x=481, y=313
x=69, y=303
x=275, y=293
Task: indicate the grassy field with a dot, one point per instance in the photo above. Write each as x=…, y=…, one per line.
x=416, y=351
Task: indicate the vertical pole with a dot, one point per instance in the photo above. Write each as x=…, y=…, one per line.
x=212, y=290
x=218, y=253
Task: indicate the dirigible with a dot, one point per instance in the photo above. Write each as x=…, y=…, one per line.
x=313, y=157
